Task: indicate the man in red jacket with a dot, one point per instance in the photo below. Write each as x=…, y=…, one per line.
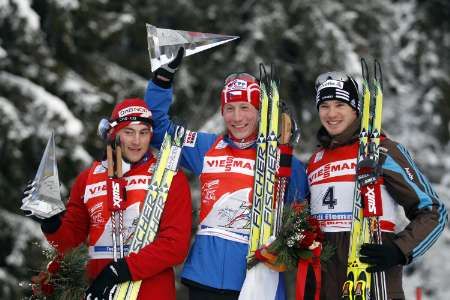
x=88, y=216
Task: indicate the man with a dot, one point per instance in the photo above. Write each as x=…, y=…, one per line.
x=216, y=266
x=88, y=215
x=404, y=185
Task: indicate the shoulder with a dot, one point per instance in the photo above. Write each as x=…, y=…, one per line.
x=83, y=175
x=393, y=150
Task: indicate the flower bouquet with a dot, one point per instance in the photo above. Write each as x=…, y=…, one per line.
x=63, y=276
x=299, y=237
x=298, y=245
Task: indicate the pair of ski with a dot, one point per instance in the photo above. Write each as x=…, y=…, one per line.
x=367, y=206
x=268, y=188
x=152, y=209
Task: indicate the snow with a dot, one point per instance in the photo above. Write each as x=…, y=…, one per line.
x=43, y=99
x=25, y=12
x=18, y=131
x=3, y=53
x=67, y=4
x=87, y=94
x=24, y=230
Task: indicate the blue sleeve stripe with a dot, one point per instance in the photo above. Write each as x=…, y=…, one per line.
x=423, y=180
x=432, y=237
x=424, y=199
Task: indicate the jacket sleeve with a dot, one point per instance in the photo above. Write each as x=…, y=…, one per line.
x=298, y=189
x=159, y=100
x=171, y=244
x=74, y=227
x=412, y=190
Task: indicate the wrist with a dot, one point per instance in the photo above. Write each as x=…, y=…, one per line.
x=123, y=272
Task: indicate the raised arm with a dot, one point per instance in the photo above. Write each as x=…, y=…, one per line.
x=159, y=95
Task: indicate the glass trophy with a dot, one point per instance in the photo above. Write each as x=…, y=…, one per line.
x=44, y=198
x=163, y=44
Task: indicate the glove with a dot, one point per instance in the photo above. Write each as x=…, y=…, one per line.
x=48, y=225
x=105, y=283
x=269, y=259
x=163, y=76
x=381, y=257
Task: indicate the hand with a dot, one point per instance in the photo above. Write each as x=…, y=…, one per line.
x=164, y=75
x=109, y=277
x=381, y=257
x=48, y=225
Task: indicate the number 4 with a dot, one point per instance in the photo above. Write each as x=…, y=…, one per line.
x=328, y=199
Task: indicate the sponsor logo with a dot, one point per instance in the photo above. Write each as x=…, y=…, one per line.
x=338, y=168
x=237, y=84
x=370, y=195
x=228, y=164
x=117, y=197
x=135, y=110
x=99, y=169
x=96, y=214
x=331, y=84
x=221, y=145
x=190, y=139
x=209, y=190
x=410, y=175
x=318, y=156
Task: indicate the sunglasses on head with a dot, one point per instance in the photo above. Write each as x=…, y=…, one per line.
x=242, y=76
x=335, y=75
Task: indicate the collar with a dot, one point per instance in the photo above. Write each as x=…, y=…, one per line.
x=242, y=144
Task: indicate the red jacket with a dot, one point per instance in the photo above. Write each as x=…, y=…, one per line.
x=153, y=263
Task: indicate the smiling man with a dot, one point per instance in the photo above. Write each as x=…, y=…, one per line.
x=89, y=214
x=216, y=266
x=331, y=173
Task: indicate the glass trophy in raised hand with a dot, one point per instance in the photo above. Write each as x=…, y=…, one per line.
x=44, y=197
x=163, y=44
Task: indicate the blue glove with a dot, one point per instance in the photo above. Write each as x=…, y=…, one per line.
x=381, y=257
x=105, y=283
x=163, y=76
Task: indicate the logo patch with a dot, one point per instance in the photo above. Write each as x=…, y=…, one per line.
x=331, y=84
x=237, y=84
x=190, y=139
x=135, y=110
x=318, y=156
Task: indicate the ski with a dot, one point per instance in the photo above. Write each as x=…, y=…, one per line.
x=148, y=223
x=266, y=166
x=260, y=167
x=367, y=206
x=271, y=166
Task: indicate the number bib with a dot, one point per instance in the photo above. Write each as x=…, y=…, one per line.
x=332, y=205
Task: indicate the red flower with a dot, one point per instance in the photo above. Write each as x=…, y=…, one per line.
x=308, y=239
x=40, y=278
x=47, y=289
x=53, y=266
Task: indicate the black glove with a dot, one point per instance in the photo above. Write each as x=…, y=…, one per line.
x=113, y=274
x=163, y=76
x=48, y=225
x=381, y=257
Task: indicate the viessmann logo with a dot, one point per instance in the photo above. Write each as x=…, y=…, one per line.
x=221, y=164
x=338, y=168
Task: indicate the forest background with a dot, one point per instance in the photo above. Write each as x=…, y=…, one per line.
x=65, y=63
